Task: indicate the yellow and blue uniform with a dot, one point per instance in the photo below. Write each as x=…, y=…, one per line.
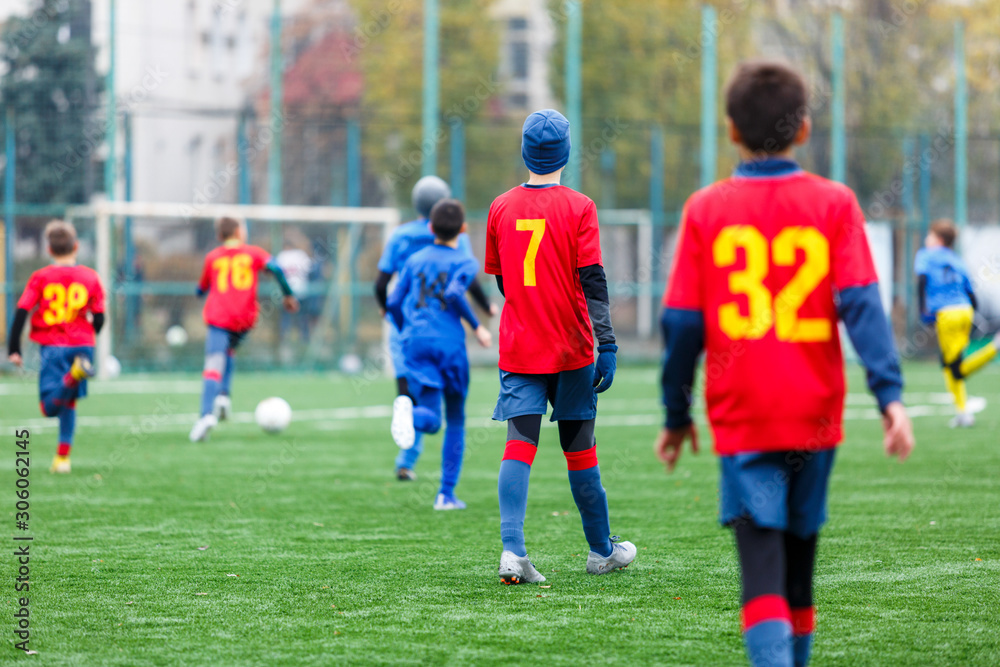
x=948, y=301
x=427, y=307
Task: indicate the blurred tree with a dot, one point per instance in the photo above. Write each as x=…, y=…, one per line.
x=50, y=82
x=388, y=42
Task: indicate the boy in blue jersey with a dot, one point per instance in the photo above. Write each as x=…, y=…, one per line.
x=948, y=301
x=427, y=307
x=406, y=240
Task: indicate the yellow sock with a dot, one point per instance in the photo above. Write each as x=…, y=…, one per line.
x=980, y=358
x=957, y=389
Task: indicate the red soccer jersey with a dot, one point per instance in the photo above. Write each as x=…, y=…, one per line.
x=762, y=258
x=538, y=239
x=230, y=278
x=65, y=296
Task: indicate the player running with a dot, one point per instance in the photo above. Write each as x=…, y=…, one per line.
x=427, y=307
x=68, y=304
x=543, y=245
x=230, y=281
x=948, y=301
x=766, y=263
x=407, y=239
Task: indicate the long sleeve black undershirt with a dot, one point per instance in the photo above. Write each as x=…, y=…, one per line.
x=21, y=318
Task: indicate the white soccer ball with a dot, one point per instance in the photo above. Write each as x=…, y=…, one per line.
x=112, y=367
x=176, y=336
x=273, y=414
x=351, y=364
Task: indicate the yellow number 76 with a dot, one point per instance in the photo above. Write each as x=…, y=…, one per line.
x=537, y=229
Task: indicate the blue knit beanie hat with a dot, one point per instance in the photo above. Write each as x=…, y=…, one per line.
x=545, y=141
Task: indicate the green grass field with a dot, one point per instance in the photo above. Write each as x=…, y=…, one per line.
x=303, y=549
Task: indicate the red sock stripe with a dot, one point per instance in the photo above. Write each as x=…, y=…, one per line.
x=41, y=406
x=518, y=450
x=765, y=608
x=212, y=375
x=581, y=460
x=803, y=620
x=63, y=449
x=69, y=380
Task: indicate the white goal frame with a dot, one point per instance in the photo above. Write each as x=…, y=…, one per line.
x=108, y=213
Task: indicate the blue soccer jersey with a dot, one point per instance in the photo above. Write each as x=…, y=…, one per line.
x=948, y=281
x=429, y=299
x=410, y=238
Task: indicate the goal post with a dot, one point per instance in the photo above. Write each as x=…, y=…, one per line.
x=178, y=233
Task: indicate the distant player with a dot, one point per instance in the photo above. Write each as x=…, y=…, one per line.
x=948, y=301
x=427, y=306
x=543, y=245
x=766, y=262
x=406, y=240
x=68, y=304
x=230, y=281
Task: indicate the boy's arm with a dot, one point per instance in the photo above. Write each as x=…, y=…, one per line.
x=868, y=328
x=16, y=328
x=970, y=292
x=500, y=285
x=454, y=293
x=479, y=296
x=595, y=289
x=922, y=295
x=684, y=337
x=382, y=288
x=203, y=283
x=394, y=305
x=279, y=275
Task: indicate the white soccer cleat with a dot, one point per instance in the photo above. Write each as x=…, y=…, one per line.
x=518, y=570
x=962, y=420
x=443, y=502
x=202, y=427
x=403, y=433
x=622, y=553
x=222, y=407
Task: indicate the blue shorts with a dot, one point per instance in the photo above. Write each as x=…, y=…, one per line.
x=429, y=363
x=780, y=490
x=55, y=363
x=571, y=394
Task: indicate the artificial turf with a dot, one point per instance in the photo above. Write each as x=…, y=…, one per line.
x=303, y=548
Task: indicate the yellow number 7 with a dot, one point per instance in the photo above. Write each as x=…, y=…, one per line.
x=537, y=229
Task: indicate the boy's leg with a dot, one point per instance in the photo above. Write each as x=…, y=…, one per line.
x=60, y=380
x=512, y=486
x=800, y=558
x=453, y=448
x=216, y=348
x=67, y=428
x=953, y=328
x=227, y=374
x=577, y=440
x=807, y=514
x=426, y=409
x=407, y=458
x=767, y=621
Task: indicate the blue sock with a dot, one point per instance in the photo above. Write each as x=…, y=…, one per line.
x=803, y=624
x=452, y=452
x=453, y=448
x=515, y=469
x=591, y=499
x=767, y=631
x=67, y=425
x=227, y=375
x=210, y=389
x=407, y=458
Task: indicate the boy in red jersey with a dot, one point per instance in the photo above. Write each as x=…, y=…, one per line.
x=767, y=262
x=70, y=312
x=543, y=245
x=230, y=280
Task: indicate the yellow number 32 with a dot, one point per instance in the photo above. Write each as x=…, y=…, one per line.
x=537, y=229
x=782, y=311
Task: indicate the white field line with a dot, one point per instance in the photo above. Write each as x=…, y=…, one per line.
x=339, y=419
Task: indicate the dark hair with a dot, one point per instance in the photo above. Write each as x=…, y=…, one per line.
x=225, y=228
x=61, y=237
x=945, y=230
x=447, y=218
x=767, y=102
